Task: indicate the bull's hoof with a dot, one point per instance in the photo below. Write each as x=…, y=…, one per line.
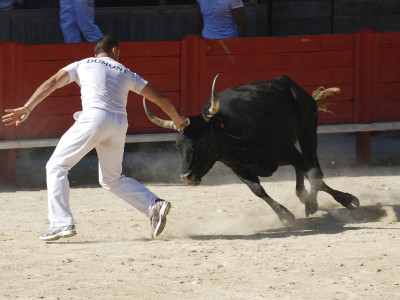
x=286, y=217
x=311, y=207
x=190, y=181
x=302, y=195
x=351, y=201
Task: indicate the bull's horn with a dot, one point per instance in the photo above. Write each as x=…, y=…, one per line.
x=214, y=107
x=160, y=122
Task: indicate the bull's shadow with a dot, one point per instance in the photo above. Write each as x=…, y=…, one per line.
x=333, y=222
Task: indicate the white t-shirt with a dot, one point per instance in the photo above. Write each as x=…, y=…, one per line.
x=104, y=83
x=218, y=18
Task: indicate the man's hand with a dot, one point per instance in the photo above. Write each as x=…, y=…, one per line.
x=16, y=116
x=182, y=124
x=155, y=96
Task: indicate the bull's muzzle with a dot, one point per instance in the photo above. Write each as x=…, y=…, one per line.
x=190, y=179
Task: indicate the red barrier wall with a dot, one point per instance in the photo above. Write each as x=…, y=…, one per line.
x=310, y=61
x=365, y=65
x=158, y=62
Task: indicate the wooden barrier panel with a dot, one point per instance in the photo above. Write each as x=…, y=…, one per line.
x=158, y=62
x=311, y=61
x=10, y=52
x=129, y=23
x=365, y=65
x=301, y=17
x=378, y=15
x=386, y=91
x=54, y=115
x=2, y=94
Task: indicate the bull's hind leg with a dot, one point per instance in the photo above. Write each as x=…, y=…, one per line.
x=317, y=184
x=253, y=183
x=308, y=145
x=309, y=199
x=346, y=199
x=303, y=169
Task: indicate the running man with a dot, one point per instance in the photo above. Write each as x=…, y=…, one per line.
x=102, y=124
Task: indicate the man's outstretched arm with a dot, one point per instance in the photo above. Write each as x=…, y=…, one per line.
x=151, y=93
x=18, y=115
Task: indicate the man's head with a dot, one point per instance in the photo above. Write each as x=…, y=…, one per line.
x=107, y=46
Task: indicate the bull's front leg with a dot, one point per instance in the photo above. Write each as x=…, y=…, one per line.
x=301, y=191
x=253, y=182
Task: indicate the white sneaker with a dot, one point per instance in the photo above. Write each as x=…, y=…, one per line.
x=159, y=217
x=54, y=233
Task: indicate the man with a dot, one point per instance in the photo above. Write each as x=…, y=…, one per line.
x=102, y=124
x=77, y=16
x=221, y=19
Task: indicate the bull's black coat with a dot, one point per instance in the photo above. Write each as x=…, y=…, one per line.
x=255, y=131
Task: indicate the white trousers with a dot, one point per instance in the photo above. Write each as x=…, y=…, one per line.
x=106, y=132
x=78, y=16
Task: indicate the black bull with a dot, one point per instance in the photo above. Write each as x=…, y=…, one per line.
x=253, y=129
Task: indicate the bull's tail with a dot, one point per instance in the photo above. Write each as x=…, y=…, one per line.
x=321, y=93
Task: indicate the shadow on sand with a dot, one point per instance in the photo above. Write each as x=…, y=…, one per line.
x=333, y=222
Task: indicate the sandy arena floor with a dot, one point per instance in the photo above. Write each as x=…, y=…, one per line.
x=221, y=242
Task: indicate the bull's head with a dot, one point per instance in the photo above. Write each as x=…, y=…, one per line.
x=196, y=142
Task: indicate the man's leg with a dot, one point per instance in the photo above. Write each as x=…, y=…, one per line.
x=110, y=153
x=84, y=10
x=73, y=146
x=68, y=22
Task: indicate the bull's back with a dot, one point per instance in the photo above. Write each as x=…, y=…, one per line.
x=260, y=108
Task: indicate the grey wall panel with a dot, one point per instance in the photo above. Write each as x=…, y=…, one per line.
x=351, y=24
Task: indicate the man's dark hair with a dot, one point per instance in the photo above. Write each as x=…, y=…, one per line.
x=105, y=44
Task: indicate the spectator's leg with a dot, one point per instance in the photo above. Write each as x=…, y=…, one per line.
x=68, y=22
x=84, y=10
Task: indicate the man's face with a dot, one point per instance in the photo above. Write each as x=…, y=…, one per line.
x=115, y=53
